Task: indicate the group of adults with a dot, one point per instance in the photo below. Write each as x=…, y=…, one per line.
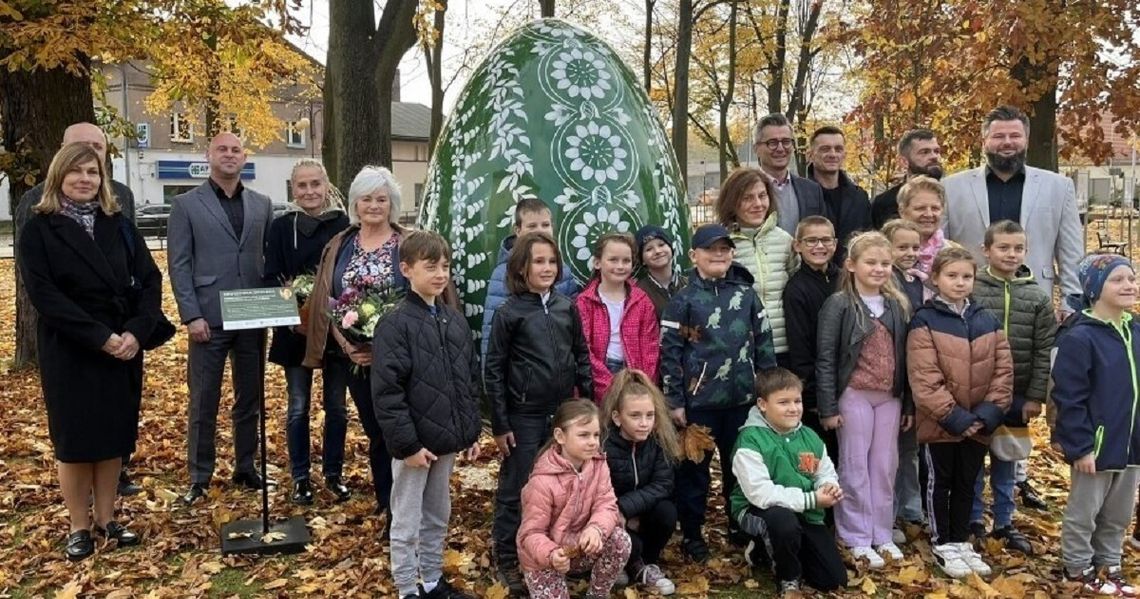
x=97, y=290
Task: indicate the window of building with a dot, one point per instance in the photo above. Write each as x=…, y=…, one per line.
x=180, y=129
x=294, y=135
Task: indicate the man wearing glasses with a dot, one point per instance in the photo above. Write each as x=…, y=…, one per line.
x=796, y=197
x=848, y=206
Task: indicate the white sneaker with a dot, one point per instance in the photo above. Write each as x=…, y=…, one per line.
x=898, y=536
x=652, y=577
x=973, y=559
x=874, y=560
x=948, y=556
x=890, y=550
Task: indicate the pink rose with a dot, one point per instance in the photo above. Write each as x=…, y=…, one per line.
x=349, y=319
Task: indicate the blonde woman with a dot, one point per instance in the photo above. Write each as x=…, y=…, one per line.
x=293, y=247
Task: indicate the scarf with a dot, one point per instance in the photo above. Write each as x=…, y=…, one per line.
x=81, y=212
x=930, y=249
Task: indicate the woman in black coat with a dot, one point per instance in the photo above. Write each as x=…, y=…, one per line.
x=293, y=247
x=99, y=298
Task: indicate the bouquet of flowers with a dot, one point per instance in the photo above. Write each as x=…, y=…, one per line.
x=302, y=286
x=358, y=309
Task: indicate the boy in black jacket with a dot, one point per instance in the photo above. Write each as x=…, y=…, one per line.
x=425, y=388
x=804, y=295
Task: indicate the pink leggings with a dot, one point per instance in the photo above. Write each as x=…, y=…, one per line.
x=604, y=570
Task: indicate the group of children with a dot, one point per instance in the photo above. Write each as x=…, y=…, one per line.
x=817, y=413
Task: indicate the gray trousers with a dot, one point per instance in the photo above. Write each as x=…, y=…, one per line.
x=421, y=507
x=1096, y=517
x=908, y=492
x=206, y=365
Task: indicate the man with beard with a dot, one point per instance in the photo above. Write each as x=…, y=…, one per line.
x=1043, y=202
x=920, y=154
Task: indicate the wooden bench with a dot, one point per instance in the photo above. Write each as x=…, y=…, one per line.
x=1106, y=242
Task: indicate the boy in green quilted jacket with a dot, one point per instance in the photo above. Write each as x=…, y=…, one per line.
x=784, y=482
x=1007, y=289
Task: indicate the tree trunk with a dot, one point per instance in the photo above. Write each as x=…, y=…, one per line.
x=37, y=126
x=363, y=60
x=1042, y=149
x=546, y=7
x=796, y=107
x=681, y=87
x=777, y=62
x=434, y=58
x=727, y=151
x=647, y=50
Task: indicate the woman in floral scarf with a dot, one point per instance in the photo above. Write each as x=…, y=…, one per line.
x=922, y=201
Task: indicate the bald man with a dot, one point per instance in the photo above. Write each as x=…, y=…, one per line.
x=93, y=136
x=214, y=241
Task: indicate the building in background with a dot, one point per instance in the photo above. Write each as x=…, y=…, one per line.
x=169, y=156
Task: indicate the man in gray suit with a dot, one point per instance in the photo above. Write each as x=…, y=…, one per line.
x=214, y=243
x=1044, y=202
x=796, y=197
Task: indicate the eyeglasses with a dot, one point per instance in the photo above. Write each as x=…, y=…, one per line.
x=817, y=241
x=773, y=144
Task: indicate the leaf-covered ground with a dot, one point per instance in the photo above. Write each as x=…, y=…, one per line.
x=180, y=555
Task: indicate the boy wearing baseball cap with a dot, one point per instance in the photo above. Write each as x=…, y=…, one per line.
x=715, y=338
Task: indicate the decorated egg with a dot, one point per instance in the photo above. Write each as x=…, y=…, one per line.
x=552, y=112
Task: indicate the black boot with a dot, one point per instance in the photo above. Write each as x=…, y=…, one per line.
x=126, y=487
x=302, y=492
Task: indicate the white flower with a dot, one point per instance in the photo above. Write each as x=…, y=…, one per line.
x=596, y=153
x=582, y=74
x=593, y=226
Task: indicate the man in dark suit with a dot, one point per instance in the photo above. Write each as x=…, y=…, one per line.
x=93, y=136
x=796, y=197
x=920, y=153
x=215, y=239
x=847, y=205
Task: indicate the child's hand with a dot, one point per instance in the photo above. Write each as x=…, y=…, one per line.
x=1030, y=410
x=472, y=452
x=505, y=442
x=973, y=430
x=823, y=498
x=591, y=541
x=906, y=423
x=559, y=561
x=678, y=416
x=1086, y=464
x=831, y=422
x=633, y=523
x=833, y=489
x=421, y=459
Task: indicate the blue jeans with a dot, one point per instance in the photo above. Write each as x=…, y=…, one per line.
x=1001, y=484
x=299, y=386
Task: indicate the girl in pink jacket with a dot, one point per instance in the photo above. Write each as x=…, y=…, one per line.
x=618, y=318
x=570, y=518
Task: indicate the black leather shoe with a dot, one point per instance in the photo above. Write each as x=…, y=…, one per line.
x=126, y=487
x=196, y=492
x=251, y=480
x=338, y=488
x=1014, y=539
x=1029, y=497
x=444, y=590
x=79, y=545
x=302, y=492
x=118, y=532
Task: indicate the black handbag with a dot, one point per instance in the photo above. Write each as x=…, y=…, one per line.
x=163, y=329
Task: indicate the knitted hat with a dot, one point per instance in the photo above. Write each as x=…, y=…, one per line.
x=1094, y=270
x=650, y=232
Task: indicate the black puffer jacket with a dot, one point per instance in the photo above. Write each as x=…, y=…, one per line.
x=640, y=473
x=536, y=357
x=425, y=379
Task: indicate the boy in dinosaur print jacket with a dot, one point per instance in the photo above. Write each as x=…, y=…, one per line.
x=715, y=338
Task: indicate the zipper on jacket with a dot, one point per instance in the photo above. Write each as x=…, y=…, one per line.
x=1126, y=335
x=633, y=456
x=701, y=378
x=1098, y=440
x=1005, y=314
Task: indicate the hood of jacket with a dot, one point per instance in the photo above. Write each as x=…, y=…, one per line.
x=737, y=273
x=505, y=248
x=1023, y=276
x=756, y=418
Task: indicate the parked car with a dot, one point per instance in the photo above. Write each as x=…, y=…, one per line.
x=151, y=219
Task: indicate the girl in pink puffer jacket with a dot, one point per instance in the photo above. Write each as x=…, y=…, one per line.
x=570, y=518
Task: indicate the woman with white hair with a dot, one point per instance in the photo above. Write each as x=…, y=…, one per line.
x=293, y=247
x=366, y=253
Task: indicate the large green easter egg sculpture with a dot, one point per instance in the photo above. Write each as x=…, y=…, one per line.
x=551, y=112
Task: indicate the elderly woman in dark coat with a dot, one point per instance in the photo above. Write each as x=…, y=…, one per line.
x=98, y=293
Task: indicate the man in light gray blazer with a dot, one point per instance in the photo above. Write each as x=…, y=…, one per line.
x=1044, y=202
x=215, y=238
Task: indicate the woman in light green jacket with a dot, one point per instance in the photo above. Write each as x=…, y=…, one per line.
x=746, y=205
